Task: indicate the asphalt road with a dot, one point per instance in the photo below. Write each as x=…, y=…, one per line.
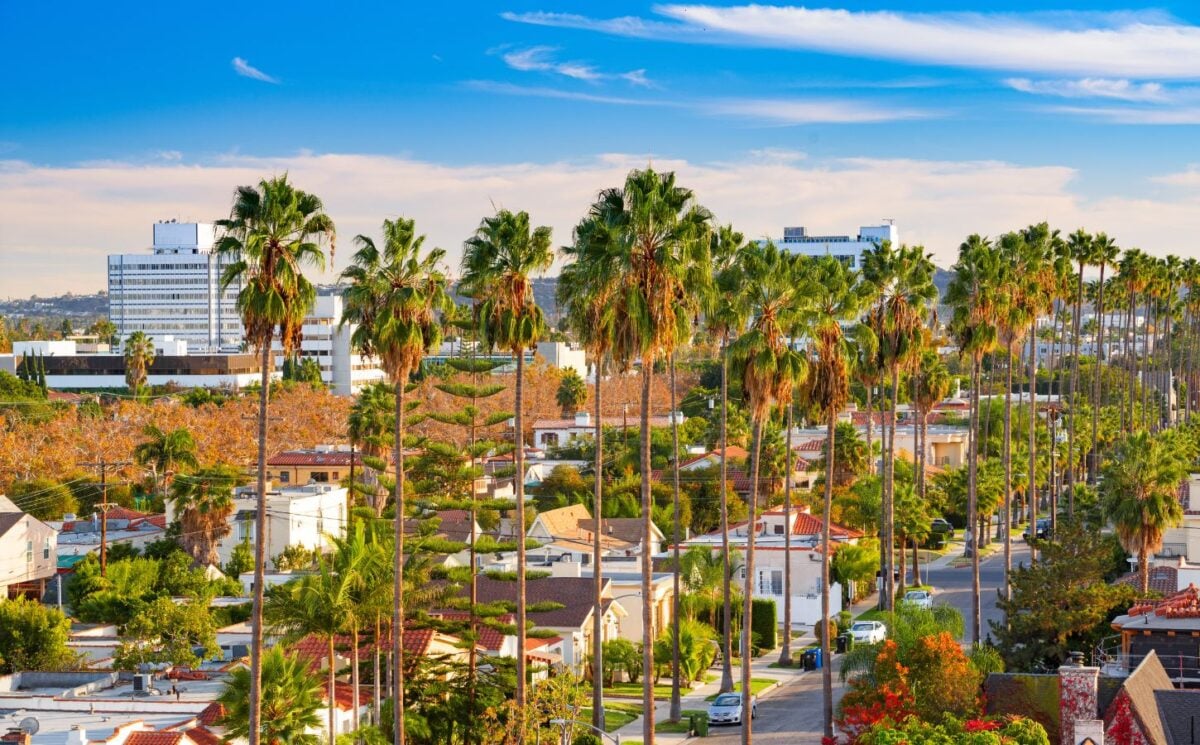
x=792, y=712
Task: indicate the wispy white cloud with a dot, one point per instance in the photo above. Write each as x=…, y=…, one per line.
x=1124, y=90
x=1133, y=45
x=1175, y=115
x=542, y=59
x=1188, y=178
x=247, y=70
x=763, y=111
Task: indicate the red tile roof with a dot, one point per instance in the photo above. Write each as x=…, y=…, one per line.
x=343, y=695
x=1183, y=604
x=124, y=513
x=212, y=714
x=158, y=521
x=815, y=446
x=489, y=638
x=154, y=738
x=314, y=458
x=202, y=736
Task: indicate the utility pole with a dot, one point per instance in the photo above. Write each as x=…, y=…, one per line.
x=103, y=465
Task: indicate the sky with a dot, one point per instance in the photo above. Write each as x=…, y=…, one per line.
x=948, y=117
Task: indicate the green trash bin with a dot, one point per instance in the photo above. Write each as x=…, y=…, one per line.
x=700, y=724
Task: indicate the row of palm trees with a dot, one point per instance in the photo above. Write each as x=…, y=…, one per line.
x=646, y=267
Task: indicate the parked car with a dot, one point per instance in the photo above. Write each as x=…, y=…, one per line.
x=943, y=526
x=868, y=632
x=1043, y=529
x=726, y=708
x=919, y=598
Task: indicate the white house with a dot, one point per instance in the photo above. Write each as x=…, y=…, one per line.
x=557, y=432
x=28, y=551
x=304, y=515
x=566, y=534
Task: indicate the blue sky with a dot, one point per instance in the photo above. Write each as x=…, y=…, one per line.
x=949, y=117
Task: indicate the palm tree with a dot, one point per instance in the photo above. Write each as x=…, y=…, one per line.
x=571, y=393
x=394, y=296
x=930, y=384
x=166, y=452
x=203, y=502
x=724, y=321
x=1106, y=253
x=316, y=604
x=660, y=256
x=903, y=278
x=834, y=296
x=289, y=704
x=769, y=368
x=274, y=230
x=1141, y=491
x=361, y=563
x=139, y=356
x=1082, y=249
x=586, y=292
x=974, y=296
x=497, y=263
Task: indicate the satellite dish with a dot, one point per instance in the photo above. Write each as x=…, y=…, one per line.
x=30, y=725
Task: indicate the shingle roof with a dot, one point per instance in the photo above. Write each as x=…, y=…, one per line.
x=1141, y=686
x=8, y=520
x=1163, y=579
x=564, y=522
x=627, y=529
x=574, y=593
x=1177, y=709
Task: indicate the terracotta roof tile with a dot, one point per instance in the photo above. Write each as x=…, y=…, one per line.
x=212, y=714
x=314, y=458
x=1183, y=604
x=202, y=736
x=490, y=638
x=1164, y=580
x=155, y=738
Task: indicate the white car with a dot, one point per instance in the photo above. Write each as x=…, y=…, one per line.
x=868, y=632
x=919, y=598
x=726, y=708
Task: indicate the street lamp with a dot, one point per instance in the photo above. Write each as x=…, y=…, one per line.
x=565, y=724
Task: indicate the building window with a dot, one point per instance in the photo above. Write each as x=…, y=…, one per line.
x=46, y=549
x=284, y=477
x=335, y=476
x=320, y=477
x=778, y=530
x=28, y=552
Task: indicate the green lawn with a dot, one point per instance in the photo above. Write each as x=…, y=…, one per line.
x=634, y=690
x=616, y=714
x=871, y=615
x=681, y=726
x=757, y=685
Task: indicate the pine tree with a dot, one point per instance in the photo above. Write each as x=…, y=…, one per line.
x=41, y=373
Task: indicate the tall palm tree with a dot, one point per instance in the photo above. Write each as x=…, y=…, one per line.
x=359, y=560
x=834, y=296
x=974, y=295
x=930, y=384
x=586, y=293
x=496, y=267
x=723, y=318
x=660, y=254
x=394, y=296
x=1106, y=253
x=203, y=502
x=289, y=704
x=166, y=452
x=139, y=356
x=903, y=278
x=769, y=369
x=1082, y=248
x=1141, y=491
x=316, y=604
x=273, y=232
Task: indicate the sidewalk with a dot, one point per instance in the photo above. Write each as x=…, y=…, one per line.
x=696, y=699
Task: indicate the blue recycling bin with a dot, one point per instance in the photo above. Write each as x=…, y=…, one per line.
x=817, y=661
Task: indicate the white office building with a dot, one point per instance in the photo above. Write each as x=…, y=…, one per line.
x=325, y=340
x=846, y=248
x=175, y=290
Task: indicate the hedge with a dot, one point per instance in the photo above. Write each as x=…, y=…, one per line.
x=764, y=622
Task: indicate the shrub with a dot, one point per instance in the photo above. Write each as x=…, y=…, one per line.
x=834, y=630
x=586, y=738
x=844, y=620
x=763, y=622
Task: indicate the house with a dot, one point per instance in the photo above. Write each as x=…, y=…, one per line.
x=324, y=464
x=549, y=433
x=567, y=534
x=125, y=527
x=1169, y=627
x=28, y=552
x=1184, y=539
x=1081, y=706
x=570, y=616
x=771, y=559
x=307, y=516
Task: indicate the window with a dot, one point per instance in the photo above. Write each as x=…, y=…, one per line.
x=335, y=476
x=29, y=552
x=284, y=477
x=46, y=549
x=778, y=529
x=320, y=477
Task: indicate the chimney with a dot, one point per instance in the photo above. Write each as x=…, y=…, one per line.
x=1078, y=698
x=583, y=419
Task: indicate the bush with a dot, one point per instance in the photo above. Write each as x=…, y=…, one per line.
x=763, y=622
x=586, y=738
x=844, y=620
x=834, y=630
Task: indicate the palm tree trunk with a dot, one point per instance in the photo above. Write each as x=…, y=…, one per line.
x=519, y=529
x=354, y=681
x=916, y=566
x=1031, y=482
x=748, y=599
x=870, y=427
x=332, y=678
x=785, y=657
x=398, y=568
x=648, y=550
x=1144, y=362
x=889, y=499
x=972, y=498
x=260, y=548
x=826, y=666
x=1094, y=456
x=1006, y=523
x=676, y=707
x=597, y=575
x=377, y=672
x=1144, y=569
x=727, y=630
x=1074, y=401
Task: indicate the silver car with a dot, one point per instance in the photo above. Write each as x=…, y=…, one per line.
x=919, y=598
x=726, y=708
x=868, y=632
